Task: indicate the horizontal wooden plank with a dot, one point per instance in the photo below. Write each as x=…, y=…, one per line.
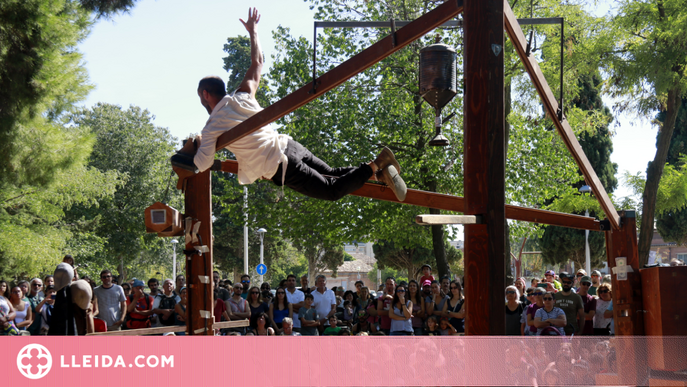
x=174, y=328
x=447, y=219
x=445, y=202
x=340, y=74
x=551, y=106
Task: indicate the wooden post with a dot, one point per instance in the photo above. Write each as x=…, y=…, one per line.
x=628, y=316
x=198, y=206
x=484, y=182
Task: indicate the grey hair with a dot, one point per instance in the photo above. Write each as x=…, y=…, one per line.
x=321, y=276
x=512, y=287
x=287, y=320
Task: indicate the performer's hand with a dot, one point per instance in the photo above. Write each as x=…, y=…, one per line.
x=253, y=19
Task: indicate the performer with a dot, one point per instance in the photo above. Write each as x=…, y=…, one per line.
x=266, y=153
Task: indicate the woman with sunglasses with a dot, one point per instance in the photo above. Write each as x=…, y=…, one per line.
x=603, y=318
x=127, y=289
x=454, y=307
x=514, y=310
x=538, y=303
x=256, y=303
x=280, y=308
x=549, y=317
x=400, y=315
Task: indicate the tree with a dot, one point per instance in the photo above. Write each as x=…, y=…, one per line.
x=561, y=244
x=672, y=224
x=411, y=259
x=647, y=69
x=129, y=143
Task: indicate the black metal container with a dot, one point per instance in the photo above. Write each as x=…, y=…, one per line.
x=438, y=74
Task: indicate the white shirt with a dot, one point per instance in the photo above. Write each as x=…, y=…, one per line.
x=258, y=153
x=322, y=302
x=109, y=303
x=294, y=298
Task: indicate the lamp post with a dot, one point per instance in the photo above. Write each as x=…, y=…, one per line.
x=261, y=232
x=174, y=258
x=587, y=260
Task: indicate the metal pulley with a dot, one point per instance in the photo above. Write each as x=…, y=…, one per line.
x=438, y=82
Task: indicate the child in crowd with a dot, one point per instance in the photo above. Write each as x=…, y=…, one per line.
x=310, y=320
x=432, y=326
x=426, y=274
x=332, y=329
x=445, y=328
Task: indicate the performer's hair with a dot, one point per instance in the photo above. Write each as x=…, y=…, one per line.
x=213, y=85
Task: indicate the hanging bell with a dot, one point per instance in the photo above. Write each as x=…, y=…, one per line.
x=438, y=82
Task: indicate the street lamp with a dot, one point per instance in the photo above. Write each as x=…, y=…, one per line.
x=174, y=258
x=587, y=261
x=261, y=232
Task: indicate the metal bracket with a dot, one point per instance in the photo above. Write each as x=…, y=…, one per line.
x=605, y=225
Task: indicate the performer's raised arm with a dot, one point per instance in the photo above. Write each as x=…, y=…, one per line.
x=251, y=80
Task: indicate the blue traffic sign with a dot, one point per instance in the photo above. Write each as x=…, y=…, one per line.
x=261, y=269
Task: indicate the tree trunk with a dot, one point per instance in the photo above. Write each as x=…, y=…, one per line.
x=439, y=248
x=653, y=176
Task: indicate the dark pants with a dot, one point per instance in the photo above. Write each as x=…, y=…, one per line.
x=304, y=174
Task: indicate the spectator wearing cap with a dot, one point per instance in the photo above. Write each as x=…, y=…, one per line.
x=571, y=303
x=139, y=307
x=578, y=275
x=549, y=277
x=596, y=281
x=426, y=289
x=589, y=303
x=111, y=302
x=426, y=274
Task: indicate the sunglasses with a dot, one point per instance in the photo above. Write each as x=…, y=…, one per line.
x=548, y=298
x=580, y=275
x=567, y=282
x=281, y=292
x=245, y=282
x=454, y=287
x=400, y=291
x=537, y=294
x=510, y=292
x=603, y=291
x=254, y=292
x=586, y=284
x=37, y=285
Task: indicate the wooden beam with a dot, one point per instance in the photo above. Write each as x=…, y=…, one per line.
x=628, y=309
x=484, y=164
x=173, y=328
x=198, y=206
x=447, y=219
x=377, y=191
x=340, y=74
x=551, y=106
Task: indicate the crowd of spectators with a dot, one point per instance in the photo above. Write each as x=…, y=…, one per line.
x=560, y=304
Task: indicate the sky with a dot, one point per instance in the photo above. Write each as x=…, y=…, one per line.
x=154, y=56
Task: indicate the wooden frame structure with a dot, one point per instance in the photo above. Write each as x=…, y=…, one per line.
x=485, y=22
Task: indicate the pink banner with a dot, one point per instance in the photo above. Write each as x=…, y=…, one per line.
x=340, y=361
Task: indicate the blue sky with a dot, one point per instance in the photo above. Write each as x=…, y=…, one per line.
x=154, y=57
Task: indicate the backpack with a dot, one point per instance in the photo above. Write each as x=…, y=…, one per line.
x=147, y=298
x=167, y=303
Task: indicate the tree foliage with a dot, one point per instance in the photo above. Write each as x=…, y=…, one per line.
x=646, y=66
x=129, y=143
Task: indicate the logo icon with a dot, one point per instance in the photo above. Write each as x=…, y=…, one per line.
x=34, y=361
